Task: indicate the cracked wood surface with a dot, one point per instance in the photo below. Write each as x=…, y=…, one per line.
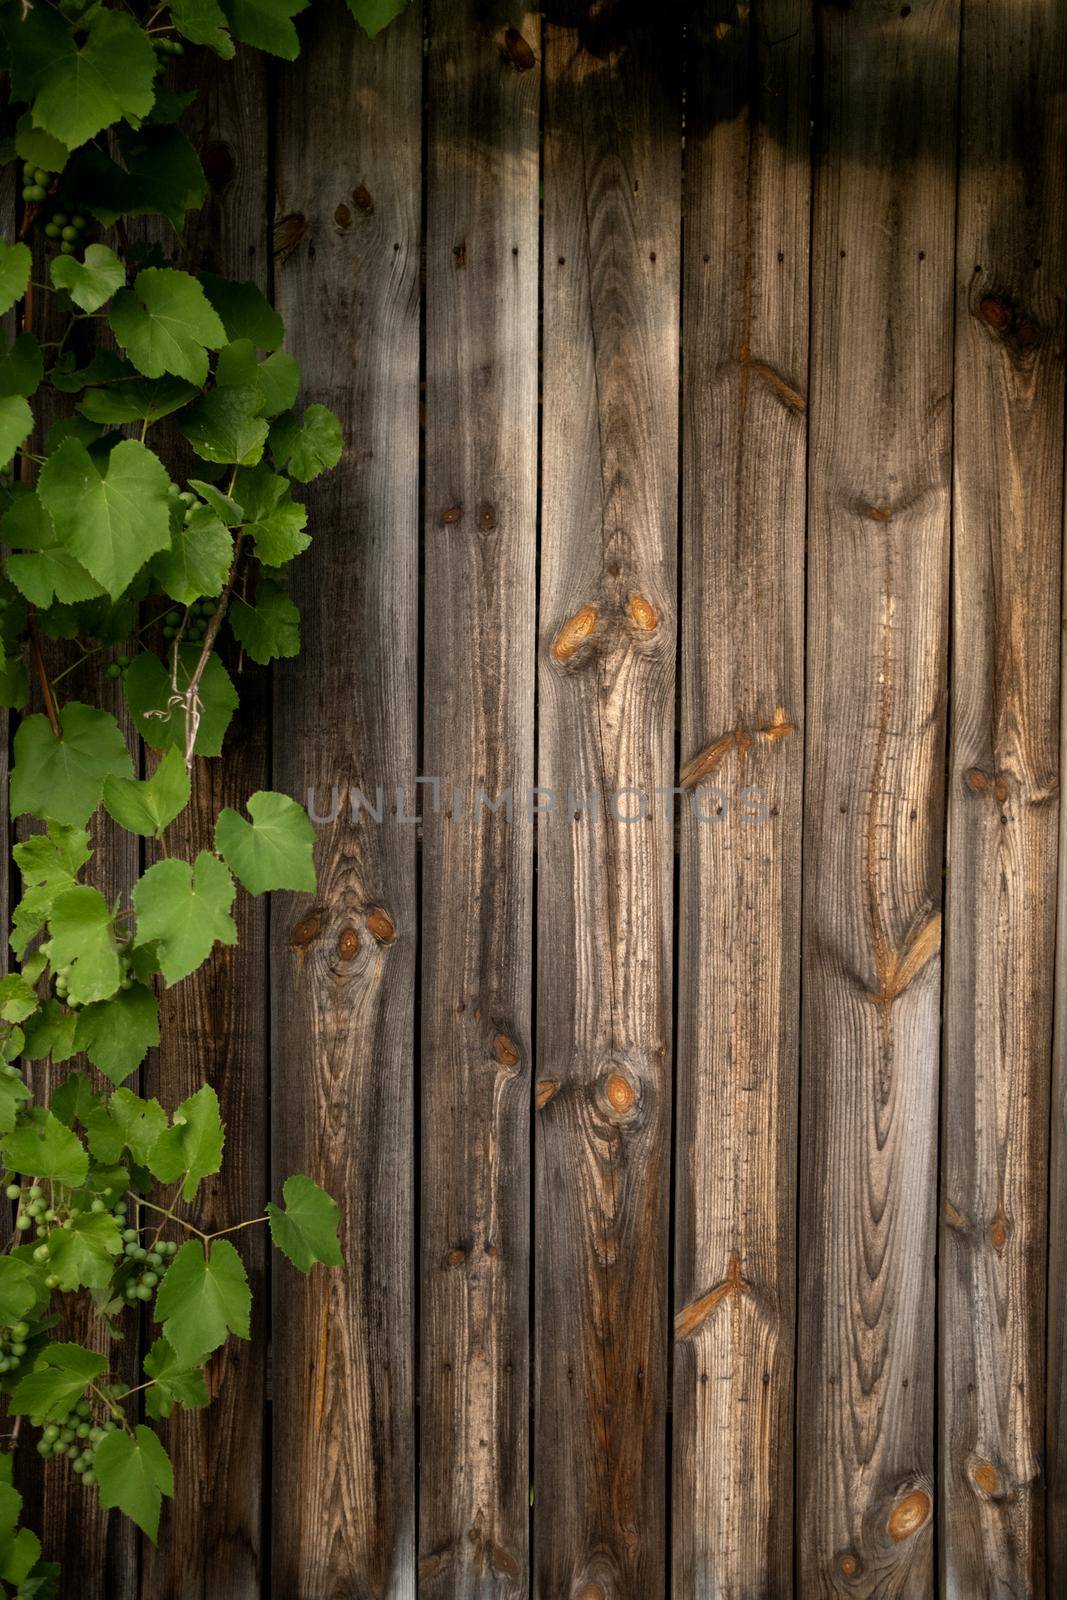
x=609, y=482
x=748, y=184
x=480, y=556
x=878, y=547
x=1003, y=813
x=343, y=972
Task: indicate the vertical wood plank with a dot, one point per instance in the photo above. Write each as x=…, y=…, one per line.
x=881, y=381
x=748, y=183
x=214, y=1026
x=343, y=968
x=481, y=454
x=1003, y=796
x=606, y=672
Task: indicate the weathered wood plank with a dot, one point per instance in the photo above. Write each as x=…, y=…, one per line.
x=877, y=617
x=214, y=1026
x=481, y=454
x=748, y=183
x=607, y=669
x=1003, y=797
x=343, y=969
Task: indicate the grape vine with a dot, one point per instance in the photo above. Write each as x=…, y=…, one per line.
x=116, y=364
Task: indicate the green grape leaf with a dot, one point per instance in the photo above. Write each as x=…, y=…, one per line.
x=117, y=1034
x=203, y=22
x=176, y=1383
x=144, y=400
x=15, y=264
x=83, y=939
x=111, y=522
x=308, y=447
x=307, y=1229
x=202, y=1298
x=16, y=425
x=50, y=1033
x=60, y=1376
x=192, y=1148
x=18, y=999
x=62, y=780
x=92, y=281
x=134, y=1472
x=223, y=505
x=259, y=490
x=269, y=629
x=198, y=562
x=20, y=1564
x=21, y=367
x=279, y=536
x=165, y=323
x=226, y=427
x=42, y=1147
x=75, y=1100
x=148, y=691
x=49, y=863
x=34, y=145
x=17, y=1290
x=141, y=1122
x=245, y=311
x=374, y=15
x=83, y=1255
x=184, y=910
x=14, y=682
x=13, y=1095
x=267, y=24
x=81, y=82
x=274, y=850
x=161, y=176
x=51, y=574
x=150, y=806
x=279, y=383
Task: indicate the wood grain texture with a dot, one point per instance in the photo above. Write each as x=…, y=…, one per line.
x=1003, y=798
x=612, y=171
x=343, y=966
x=748, y=184
x=877, y=619
x=481, y=498
x=214, y=1025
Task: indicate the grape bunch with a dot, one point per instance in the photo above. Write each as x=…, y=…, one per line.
x=13, y=1345
x=67, y=229
x=76, y=1435
x=35, y=183
x=62, y=977
x=152, y=1264
x=117, y=669
x=34, y=1211
x=168, y=47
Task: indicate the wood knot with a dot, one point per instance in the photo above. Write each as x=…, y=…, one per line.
x=985, y=1477
x=380, y=926
x=288, y=233
x=849, y=1565
x=487, y=516
x=977, y=780
x=620, y=1092
x=504, y=1561
x=995, y=312
x=909, y=1515
x=451, y=515
x=505, y=1050
x=348, y=945
x=643, y=613
x=342, y=216
x=362, y=199
x=573, y=634
x=218, y=162
x=305, y=930
x=518, y=51
x=546, y=1088
x=590, y=1591
x=455, y=1258
x=999, y=1231
x=780, y=726
x=877, y=513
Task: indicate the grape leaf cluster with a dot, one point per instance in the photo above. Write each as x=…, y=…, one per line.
x=117, y=364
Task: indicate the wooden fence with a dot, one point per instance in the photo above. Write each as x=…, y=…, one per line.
x=697, y=1121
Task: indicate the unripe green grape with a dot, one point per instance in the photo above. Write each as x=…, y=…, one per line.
x=43, y=1448
x=88, y=1478
x=82, y=1430
x=18, y=1349
x=49, y=1215
x=67, y=248
x=60, y=219
x=34, y=193
x=139, y=1252
x=79, y=1464
x=51, y=1282
x=98, y=1206
x=23, y=1223
x=114, y=671
x=169, y=631
x=154, y=1259
x=130, y=1235
x=12, y=1191
x=78, y=221
x=66, y=1435
x=121, y=661
x=35, y=1191
x=70, y=233
x=149, y=1279
x=41, y=176
x=51, y=1432
x=83, y=1409
x=19, y=1330
x=51, y=231
x=143, y=1293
